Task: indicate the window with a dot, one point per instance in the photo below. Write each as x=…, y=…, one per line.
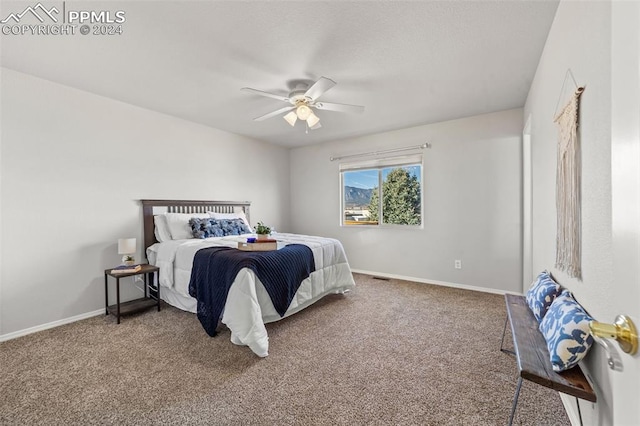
x=382, y=192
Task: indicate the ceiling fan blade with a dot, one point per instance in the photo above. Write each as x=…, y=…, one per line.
x=267, y=94
x=330, y=106
x=274, y=113
x=319, y=87
x=317, y=126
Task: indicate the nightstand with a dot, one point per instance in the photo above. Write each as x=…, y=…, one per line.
x=151, y=292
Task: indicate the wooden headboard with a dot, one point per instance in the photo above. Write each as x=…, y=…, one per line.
x=154, y=207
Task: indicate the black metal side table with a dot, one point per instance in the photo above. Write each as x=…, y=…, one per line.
x=151, y=292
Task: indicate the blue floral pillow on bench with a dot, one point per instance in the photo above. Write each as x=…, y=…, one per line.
x=541, y=294
x=565, y=327
x=205, y=228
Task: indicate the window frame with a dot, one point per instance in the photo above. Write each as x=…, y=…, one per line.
x=379, y=165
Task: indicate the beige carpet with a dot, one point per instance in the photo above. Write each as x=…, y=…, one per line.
x=390, y=352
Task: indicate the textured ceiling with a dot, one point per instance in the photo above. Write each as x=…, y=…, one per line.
x=408, y=63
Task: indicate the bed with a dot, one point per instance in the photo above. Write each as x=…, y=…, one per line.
x=248, y=306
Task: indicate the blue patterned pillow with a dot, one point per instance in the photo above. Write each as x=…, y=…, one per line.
x=205, y=228
x=232, y=226
x=566, y=330
x=541, y=294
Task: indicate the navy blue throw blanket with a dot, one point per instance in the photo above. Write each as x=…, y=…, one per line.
x=215, y=268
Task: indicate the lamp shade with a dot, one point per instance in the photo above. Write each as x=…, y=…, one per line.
x=126, y=245
x=312, y=120
x=303, y=112
x=291, y=118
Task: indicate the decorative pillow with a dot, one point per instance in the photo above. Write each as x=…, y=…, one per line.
x=236, y=215
x=161, y=229
x=233, y=226
x=178, y=224
x=205, y=228
x=566, y=330
x=541, y=294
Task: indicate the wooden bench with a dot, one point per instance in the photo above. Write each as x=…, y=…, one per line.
x=530, y=349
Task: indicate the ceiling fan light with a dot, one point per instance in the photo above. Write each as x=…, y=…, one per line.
x=312, y=120
x=291, y=118
x=303, y=112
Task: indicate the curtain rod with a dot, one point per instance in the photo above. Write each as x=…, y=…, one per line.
x=386, y=151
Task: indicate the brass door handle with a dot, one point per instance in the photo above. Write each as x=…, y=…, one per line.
x=623, y=330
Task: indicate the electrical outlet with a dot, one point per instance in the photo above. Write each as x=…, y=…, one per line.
x=138, y=279
x=457, y=264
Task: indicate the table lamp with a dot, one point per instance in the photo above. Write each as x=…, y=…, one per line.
x=127, y=247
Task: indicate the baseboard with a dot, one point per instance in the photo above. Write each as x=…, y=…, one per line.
x=20, y=333
x=436, y=282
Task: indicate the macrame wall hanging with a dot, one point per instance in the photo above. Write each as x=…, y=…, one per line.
x=568, y=178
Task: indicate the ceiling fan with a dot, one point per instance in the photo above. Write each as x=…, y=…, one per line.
x=303, y=100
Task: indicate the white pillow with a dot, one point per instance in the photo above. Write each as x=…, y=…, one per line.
x=237, y=215
x=161, y=229
x=178, y=224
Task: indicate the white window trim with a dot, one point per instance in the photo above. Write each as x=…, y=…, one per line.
x=379, y=163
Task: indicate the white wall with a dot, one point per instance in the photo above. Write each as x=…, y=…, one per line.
x=472, y=203
x=74, y=166
x=580, y=40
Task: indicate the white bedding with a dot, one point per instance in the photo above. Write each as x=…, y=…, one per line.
x=248, y=305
